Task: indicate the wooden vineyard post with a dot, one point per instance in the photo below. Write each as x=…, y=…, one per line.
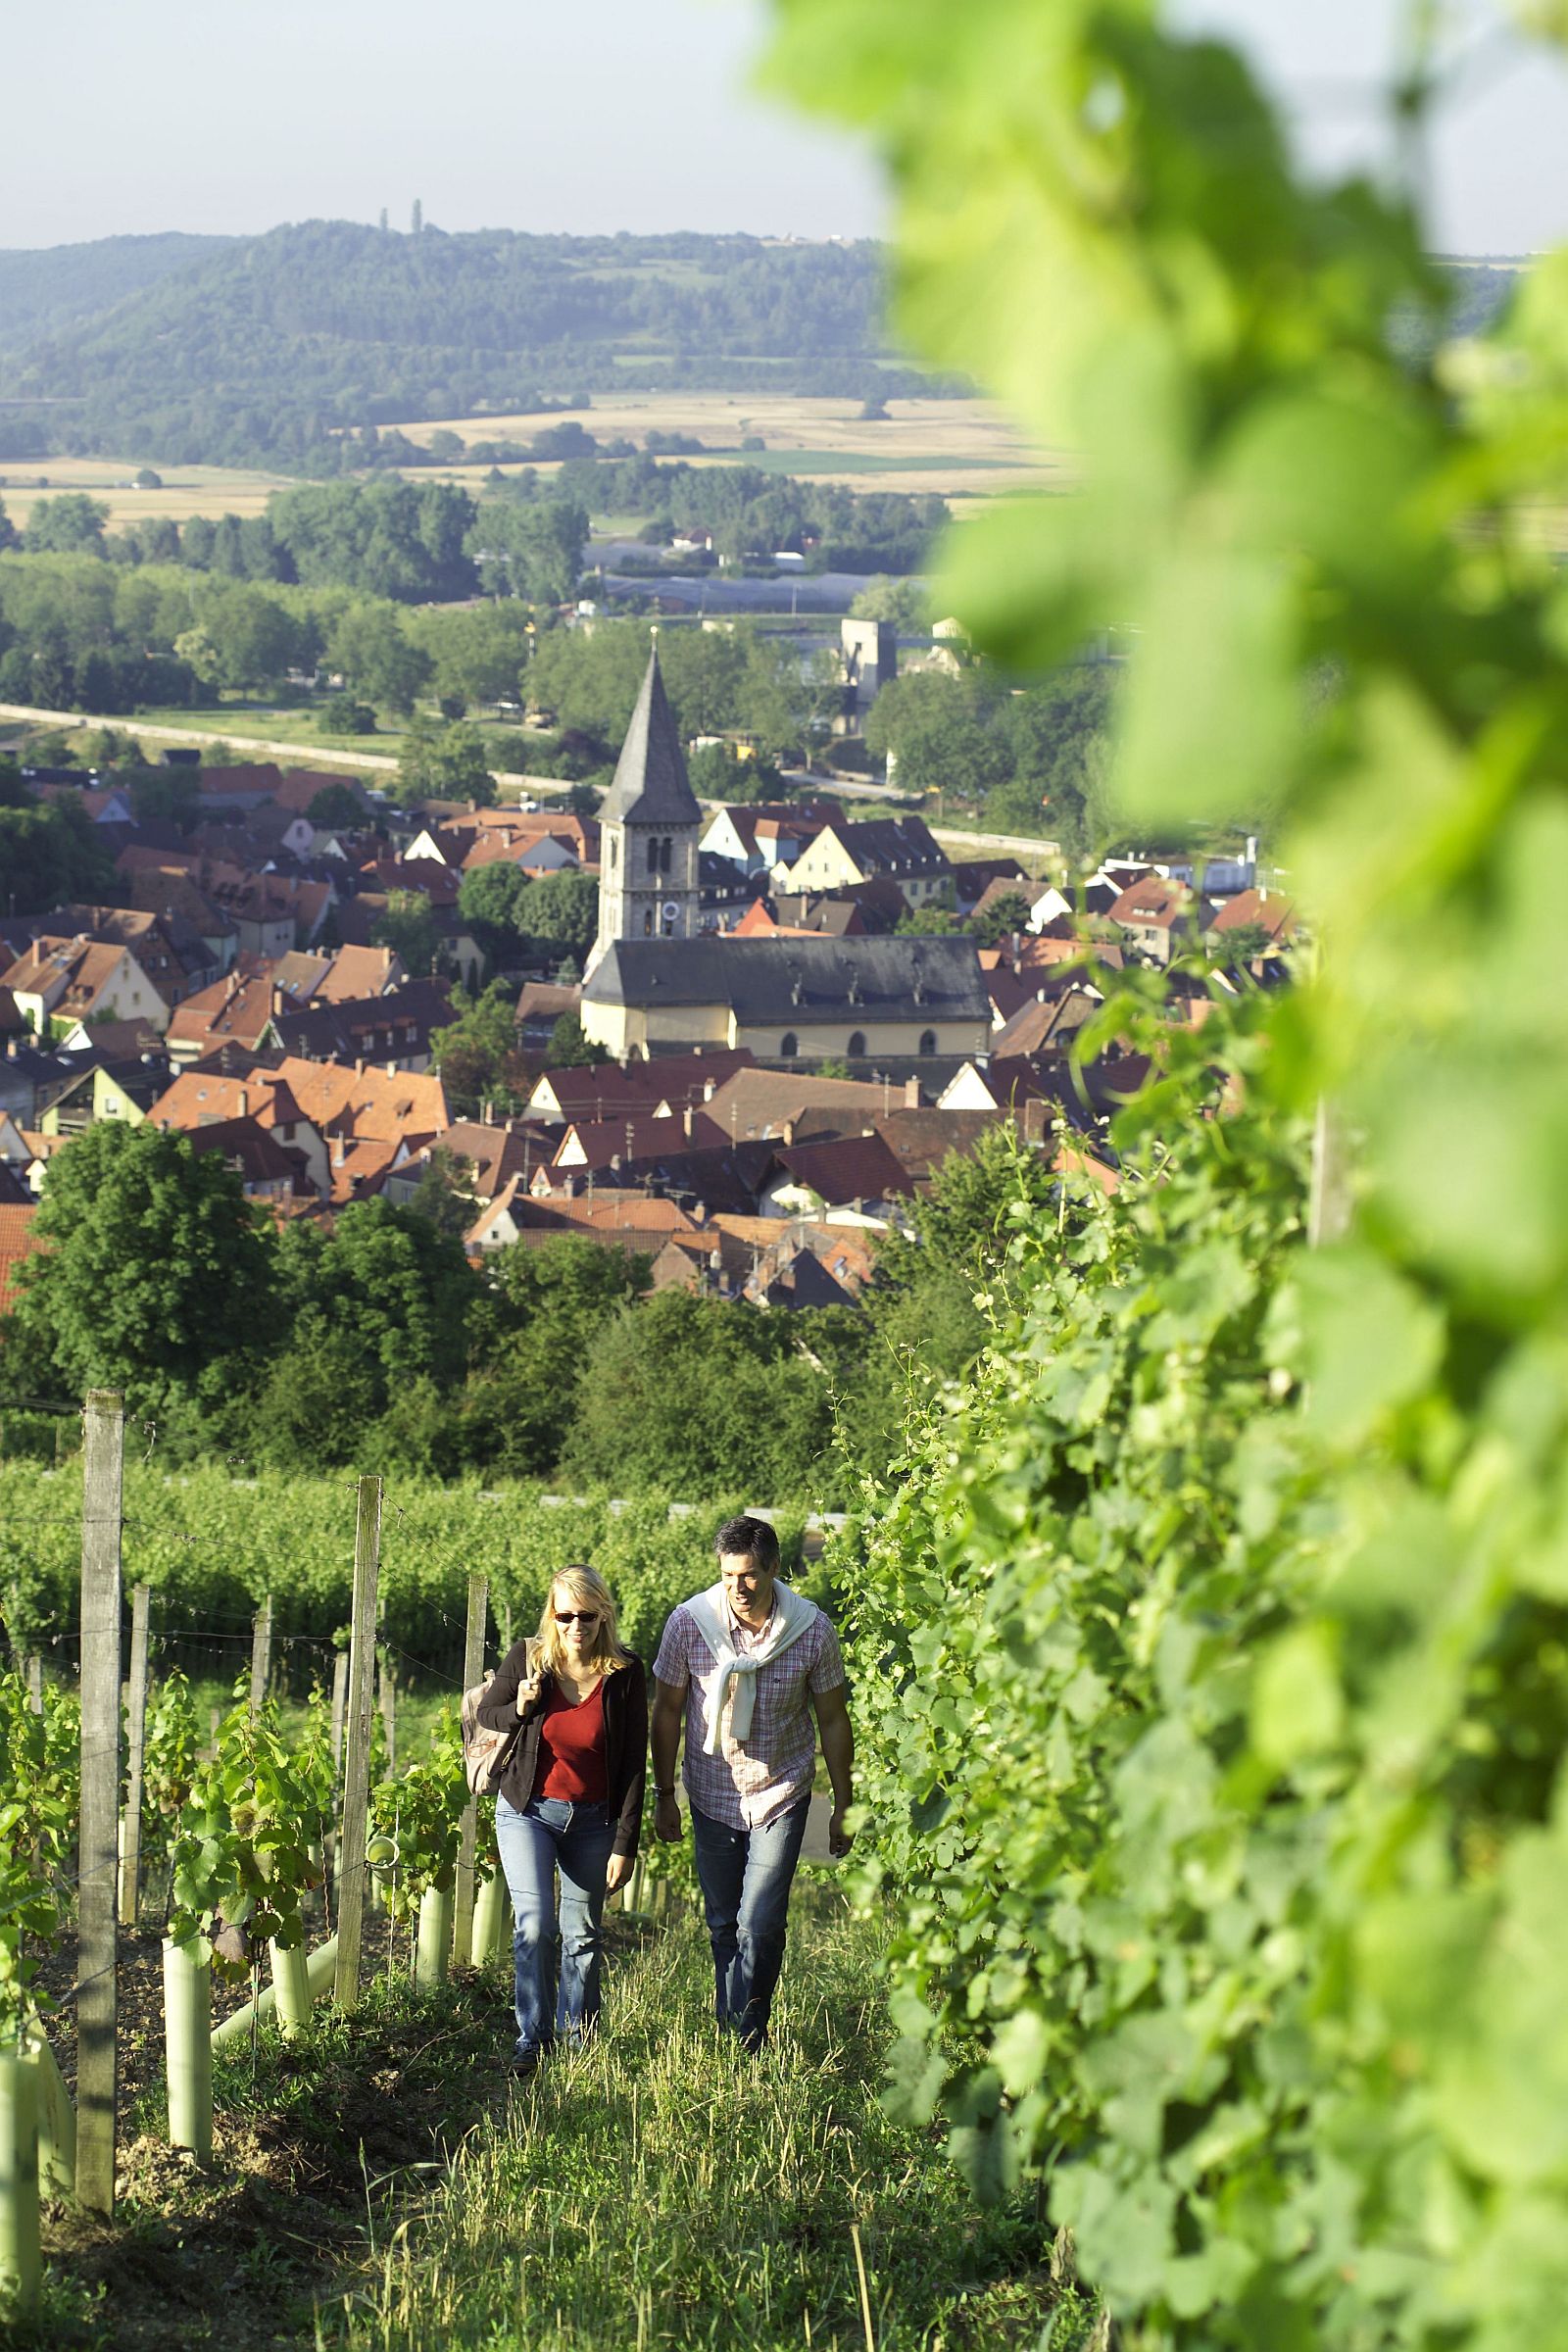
x=35, y=1683
x=261, y=1654
x=341, y=1700
x=389, y=1724
x=356, y=1755
x=472, y=1669
x=135, y=1755
x=97, y=1942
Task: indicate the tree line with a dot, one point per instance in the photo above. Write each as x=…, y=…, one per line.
x=269, y=350
x=376, y=1344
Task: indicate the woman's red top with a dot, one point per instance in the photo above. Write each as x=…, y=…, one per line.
x=571, y=1750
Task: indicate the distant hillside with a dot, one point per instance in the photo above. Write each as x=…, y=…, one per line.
x=59, y=287
x=259, y=351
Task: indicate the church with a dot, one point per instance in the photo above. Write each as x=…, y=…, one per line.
x=654, y=985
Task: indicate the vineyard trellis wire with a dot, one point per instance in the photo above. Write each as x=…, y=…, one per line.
x=238, y=1817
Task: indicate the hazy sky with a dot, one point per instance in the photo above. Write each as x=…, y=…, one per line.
x=613, y=113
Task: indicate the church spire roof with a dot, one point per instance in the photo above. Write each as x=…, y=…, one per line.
x=651, y=786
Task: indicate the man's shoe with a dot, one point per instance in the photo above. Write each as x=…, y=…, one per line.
x=524, y=2062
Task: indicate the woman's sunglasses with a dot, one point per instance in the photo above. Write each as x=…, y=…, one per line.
x=577, y=1616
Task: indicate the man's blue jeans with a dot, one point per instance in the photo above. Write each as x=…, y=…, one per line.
x=746, y=1876
x=557, y=1967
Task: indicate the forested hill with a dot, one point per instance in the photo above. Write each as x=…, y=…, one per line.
x=53, y=289
x=258, y=350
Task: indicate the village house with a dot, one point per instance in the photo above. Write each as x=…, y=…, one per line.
x=62, y=981
x=898, y=849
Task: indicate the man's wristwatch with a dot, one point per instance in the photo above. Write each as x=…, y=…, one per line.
x=661, y=1791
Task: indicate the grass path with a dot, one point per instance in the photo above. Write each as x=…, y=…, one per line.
x=662, y=2191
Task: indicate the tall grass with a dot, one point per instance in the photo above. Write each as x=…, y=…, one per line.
x=662, y=2189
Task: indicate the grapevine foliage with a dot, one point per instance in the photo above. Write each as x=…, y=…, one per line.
x=250, y=1838
x=38, y=1814
x=1211, y=1646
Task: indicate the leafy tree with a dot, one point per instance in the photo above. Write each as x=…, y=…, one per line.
x=491, y=900
x=1060, y=731
x=376, y=655
x=570, y=1049
x=156, y=1276
x=444, y=763
x=378, y=1306
x=532, y=551
x=905, y=603
x=49, y=852
x=476, y=1052
x=561, y=911
x=543, y=1310
x=72, y=523
x=442, y=1194
x=337, y=804
x=1004, y=915
x=409, y=928
x=146, y=479
x=167, y=796
x=700, y=1397
x=254, y=639
x=476, y=655
x=945, y=733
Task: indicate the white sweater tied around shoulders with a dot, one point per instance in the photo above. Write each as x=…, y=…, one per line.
x=791, y=1616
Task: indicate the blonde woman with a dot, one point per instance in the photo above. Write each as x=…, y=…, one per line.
x=569, y=1801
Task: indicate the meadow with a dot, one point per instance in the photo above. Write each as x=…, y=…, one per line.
x=923, y=445
x=187, y=489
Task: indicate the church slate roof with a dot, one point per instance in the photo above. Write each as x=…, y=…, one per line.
x=651, y=786
x=794, y=982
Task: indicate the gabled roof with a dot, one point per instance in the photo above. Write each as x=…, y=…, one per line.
x=800, y=981
x=232, y=1007
x=366, y=1028
x=1154, y=903
x=1266, y=909
x=639, y=1136
x=851, y=1167
x=16, y=1243
x=651, y=784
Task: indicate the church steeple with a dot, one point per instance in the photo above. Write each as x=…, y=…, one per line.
x=649, y=825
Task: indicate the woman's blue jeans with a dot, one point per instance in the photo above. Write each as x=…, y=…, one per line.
x=557, y=1966
x=746, y=1876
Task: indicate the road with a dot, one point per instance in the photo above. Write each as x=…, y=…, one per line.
x=316, y=754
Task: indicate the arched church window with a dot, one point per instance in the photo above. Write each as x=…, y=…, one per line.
x=928, y=1041
x=857, y=1047
x=789, y=1045
x=614, y=849
x=648, y=923
x=653, y=853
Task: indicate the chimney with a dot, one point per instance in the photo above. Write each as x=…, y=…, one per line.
x=358, y=1069
x=686, y=1117
x=487, y=1112
x=913, y=1097
x=243, y=1101
x=707, y=1090
x=338, y=1152
x=787, y=1132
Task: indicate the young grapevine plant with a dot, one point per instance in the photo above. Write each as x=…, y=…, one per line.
x=250, y=1838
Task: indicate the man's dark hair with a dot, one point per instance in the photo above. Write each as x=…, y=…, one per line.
x=752, y=1539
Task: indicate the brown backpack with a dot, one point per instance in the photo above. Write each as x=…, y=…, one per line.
x=486, y=1753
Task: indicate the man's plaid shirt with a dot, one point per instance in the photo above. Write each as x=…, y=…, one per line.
x=747, y=1787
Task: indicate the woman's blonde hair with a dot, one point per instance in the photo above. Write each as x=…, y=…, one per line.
x=585, y=1588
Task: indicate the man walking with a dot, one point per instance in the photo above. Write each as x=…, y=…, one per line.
x=746, y=1665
